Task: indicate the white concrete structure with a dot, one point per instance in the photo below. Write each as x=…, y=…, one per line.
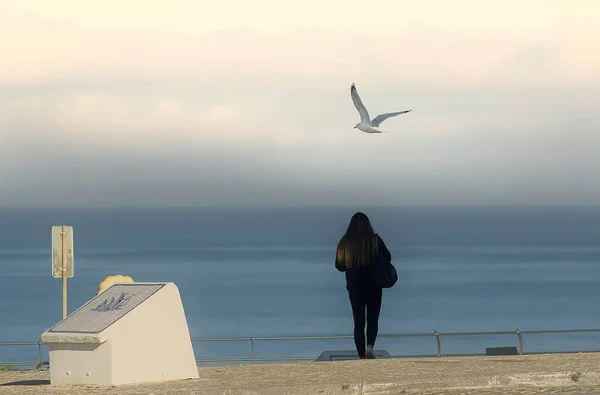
x=130, y=333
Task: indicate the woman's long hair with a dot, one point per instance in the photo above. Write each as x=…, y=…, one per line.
x=359, y=245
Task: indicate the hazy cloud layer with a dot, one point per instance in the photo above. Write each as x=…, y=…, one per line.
x=160, y=113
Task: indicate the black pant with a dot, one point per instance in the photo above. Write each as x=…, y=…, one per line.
x=371, y=299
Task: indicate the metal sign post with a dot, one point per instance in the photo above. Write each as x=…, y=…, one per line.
x=62, y=259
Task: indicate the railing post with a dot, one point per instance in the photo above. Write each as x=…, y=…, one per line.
x=439, y=346
x=252, y=346
x=520, y=341
x=39, y=344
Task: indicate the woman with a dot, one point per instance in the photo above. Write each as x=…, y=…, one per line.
x=355, y=253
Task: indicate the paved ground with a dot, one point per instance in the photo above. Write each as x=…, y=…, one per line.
x=531, y=374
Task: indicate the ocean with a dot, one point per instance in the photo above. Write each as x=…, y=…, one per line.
x=268, y=272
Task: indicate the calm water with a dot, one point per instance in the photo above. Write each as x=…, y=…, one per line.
x=270, y=272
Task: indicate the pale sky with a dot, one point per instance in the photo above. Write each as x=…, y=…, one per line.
x=197, y=103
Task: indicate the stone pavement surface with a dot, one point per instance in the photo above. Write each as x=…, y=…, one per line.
x=527, y=374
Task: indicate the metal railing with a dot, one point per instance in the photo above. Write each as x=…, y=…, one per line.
x=38, y=364
x=253, y=358
x=437, y=335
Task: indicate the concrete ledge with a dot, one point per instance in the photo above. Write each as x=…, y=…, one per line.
x=530, y=374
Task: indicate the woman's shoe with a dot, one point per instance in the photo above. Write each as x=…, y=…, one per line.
x=370, y=354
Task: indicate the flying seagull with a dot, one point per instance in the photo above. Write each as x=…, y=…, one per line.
x=365, y=124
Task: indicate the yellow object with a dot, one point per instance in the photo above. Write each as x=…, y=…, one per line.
x=110, y=280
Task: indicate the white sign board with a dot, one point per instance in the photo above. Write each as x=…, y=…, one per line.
x=57, y=251
x=105, y=309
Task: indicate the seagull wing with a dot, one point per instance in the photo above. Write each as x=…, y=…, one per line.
x=382, y=117
x=364, y=115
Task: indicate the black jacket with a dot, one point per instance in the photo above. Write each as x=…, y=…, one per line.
x=359, y=278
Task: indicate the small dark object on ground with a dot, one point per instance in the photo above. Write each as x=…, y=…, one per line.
x=496, y=351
